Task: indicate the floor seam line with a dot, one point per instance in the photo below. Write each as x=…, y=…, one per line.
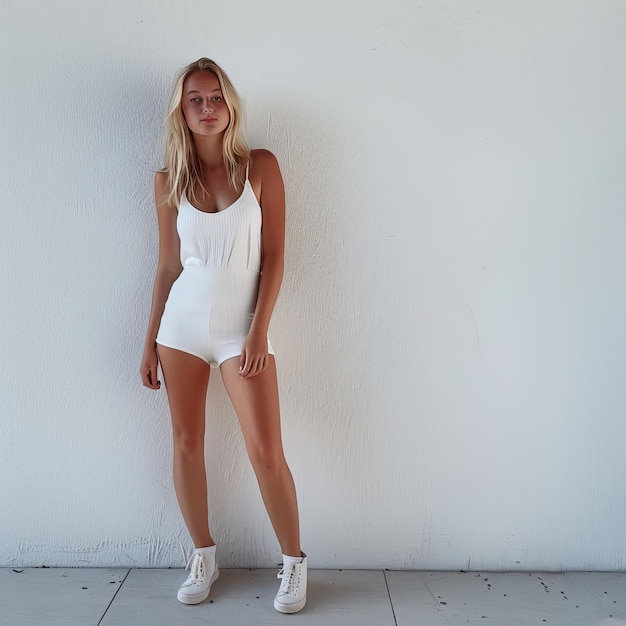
x=393, y=612
x=114, y=596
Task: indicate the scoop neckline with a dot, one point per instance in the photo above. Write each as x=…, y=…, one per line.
x=230, y=206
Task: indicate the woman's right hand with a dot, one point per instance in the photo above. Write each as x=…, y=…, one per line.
x=148, y=369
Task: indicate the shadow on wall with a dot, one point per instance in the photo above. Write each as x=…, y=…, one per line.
x=326, y=360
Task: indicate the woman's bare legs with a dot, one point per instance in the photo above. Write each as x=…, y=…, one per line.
x=256, y=403
x=187, y=379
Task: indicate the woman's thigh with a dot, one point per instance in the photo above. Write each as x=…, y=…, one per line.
x=186, y=380
x=256, y=402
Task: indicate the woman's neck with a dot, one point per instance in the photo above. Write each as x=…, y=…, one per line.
x=210, y=151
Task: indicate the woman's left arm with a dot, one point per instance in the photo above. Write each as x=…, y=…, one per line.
x=254, y=355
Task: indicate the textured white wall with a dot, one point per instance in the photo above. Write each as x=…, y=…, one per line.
x=450, y=334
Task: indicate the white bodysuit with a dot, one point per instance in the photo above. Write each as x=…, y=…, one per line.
x=211, y=304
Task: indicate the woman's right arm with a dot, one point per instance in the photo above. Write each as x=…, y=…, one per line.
x=168, y=270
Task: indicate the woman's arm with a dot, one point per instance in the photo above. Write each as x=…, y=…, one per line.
x=272, y=201
x=168, y=270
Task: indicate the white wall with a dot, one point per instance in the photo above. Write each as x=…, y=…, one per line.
x=450, y=334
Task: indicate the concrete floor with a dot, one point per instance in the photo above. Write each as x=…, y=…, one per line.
x=113, y=597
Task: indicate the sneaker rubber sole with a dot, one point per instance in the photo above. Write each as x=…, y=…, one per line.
x=289, y=608
x=200, y=597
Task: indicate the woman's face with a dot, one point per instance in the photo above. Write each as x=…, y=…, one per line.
x=203, y=104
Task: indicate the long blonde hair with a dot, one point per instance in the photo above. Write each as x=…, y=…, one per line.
x=183, y=168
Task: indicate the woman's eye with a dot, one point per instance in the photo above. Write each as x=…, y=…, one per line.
x=217, y=98
x=195, y=99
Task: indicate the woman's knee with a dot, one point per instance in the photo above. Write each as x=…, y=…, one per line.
x=267, y=458
x=188, y=441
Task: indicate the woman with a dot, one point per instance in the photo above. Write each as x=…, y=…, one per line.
x=221, y=216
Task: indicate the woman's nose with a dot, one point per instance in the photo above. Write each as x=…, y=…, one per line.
x=208, y=107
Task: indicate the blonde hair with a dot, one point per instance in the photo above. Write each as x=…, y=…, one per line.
x=181, y=163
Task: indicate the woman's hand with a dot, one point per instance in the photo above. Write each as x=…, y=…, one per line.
x=148, y=369
x=253, y=354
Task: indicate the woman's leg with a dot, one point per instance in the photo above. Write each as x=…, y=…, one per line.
x=187, y=379
x=256, y=403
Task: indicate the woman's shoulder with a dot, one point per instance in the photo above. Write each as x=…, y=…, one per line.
x=263, y=162
x=160, y=177
x=266, y=178
x=161, y=188
x=261, y=156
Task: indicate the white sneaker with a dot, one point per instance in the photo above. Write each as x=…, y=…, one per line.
x=291, y=596
x=204, y=573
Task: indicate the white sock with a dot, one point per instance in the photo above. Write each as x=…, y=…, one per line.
x=289, y=560
x=208, y=554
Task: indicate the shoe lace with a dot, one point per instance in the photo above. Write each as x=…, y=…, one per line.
x=197, y=567
x=290, y=578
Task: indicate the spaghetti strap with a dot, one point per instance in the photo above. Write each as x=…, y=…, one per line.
x=247, y=167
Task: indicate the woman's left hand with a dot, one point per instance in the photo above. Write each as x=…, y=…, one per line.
x=254, y=354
